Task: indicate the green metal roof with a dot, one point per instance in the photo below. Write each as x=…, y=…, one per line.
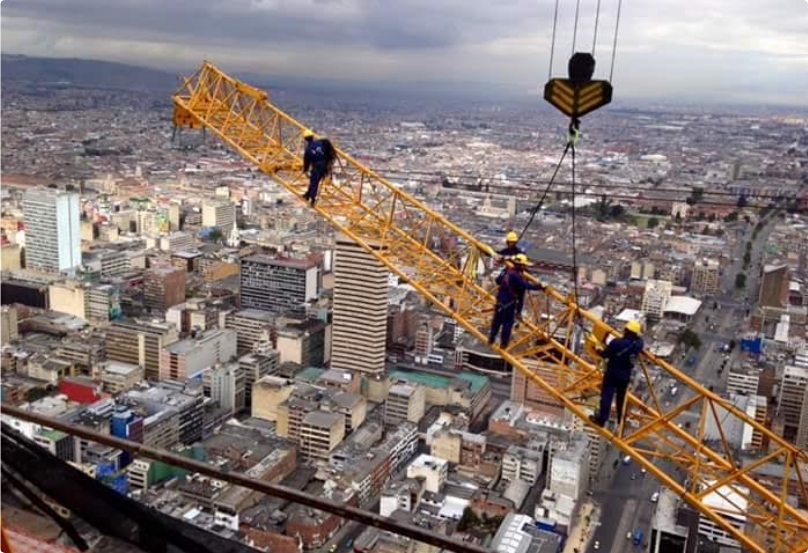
x=477, y=381
x=310, y=374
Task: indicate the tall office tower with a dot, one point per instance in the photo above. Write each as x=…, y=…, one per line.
x=359, y=332
x=52, y=230
x=278, y=285
x=774, y=283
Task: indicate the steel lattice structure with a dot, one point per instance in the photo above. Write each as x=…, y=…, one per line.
x=440, y=260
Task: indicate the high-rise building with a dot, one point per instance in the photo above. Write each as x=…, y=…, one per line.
x=792, y=395
x=163, y=287
x=139, y=343
x=774, y=283
x=52, y=230
x=278, y=285
x=706, y=277
x=656, y=297
x=360, y=309
x=218, y=213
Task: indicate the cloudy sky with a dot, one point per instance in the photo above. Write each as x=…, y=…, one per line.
x=741, y=50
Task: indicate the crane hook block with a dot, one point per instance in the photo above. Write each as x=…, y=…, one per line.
x=578, y=95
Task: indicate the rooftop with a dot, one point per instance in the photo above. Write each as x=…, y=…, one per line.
x=431, y=380
x=518, y=534
x=322, y=419
x=683, y=305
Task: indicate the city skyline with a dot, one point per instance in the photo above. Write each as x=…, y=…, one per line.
x=666, y=50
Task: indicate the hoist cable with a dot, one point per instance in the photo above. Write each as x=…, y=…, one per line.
x=552, y=44
x=574, y=244
x=614, y=45
x=538, y=206
x=575, y=29
x=595, y=37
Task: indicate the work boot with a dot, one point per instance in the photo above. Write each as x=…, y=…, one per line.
x=595, y=420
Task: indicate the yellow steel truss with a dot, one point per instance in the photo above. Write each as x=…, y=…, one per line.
x=440, y=260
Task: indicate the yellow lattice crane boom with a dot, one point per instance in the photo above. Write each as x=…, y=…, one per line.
x=438, y=258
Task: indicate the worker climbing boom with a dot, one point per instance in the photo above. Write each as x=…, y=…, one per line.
x=407, y=236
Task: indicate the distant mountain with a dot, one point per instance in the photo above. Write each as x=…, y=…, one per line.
x=83, y=72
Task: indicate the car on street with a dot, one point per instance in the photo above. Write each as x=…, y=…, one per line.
x=333, y=548
x=597, y=545
x=655, y=497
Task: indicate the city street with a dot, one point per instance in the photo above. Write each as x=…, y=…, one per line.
x=625, y=503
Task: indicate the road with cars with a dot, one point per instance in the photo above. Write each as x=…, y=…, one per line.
x=624, y=492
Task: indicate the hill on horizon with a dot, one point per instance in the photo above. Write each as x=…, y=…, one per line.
x=83, y=72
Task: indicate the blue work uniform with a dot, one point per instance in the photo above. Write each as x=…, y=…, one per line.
x=315, y=158
x=620, y=356
x=510, y=295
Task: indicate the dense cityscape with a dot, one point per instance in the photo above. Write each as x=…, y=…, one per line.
x=157, y=287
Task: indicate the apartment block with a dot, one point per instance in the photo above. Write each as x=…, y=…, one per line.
x=278, y=285
x=706, y=278
x=655, y=298
x=187, y=358
x=163, y=287
x=255, y=367
x=254, y=329
x=405, y=402
x=140, y=343
x=218, y=214
x=320, y=433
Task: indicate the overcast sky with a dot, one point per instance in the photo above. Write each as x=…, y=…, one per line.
x=742, y=50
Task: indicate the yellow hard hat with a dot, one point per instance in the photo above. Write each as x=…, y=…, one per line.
x=512, y=237
x=308, y=134
x=521, y=259
x=634, y=326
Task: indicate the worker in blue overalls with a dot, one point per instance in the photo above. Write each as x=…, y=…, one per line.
x=620, y=354
x=316, y=157
x=510, y=296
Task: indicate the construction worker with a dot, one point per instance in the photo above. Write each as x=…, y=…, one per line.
x=511, y=249
x=318, y=157
x=620, y=355
x=510, y=296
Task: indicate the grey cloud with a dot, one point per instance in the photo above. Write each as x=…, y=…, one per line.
x=666, y=47
x=385, y=24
